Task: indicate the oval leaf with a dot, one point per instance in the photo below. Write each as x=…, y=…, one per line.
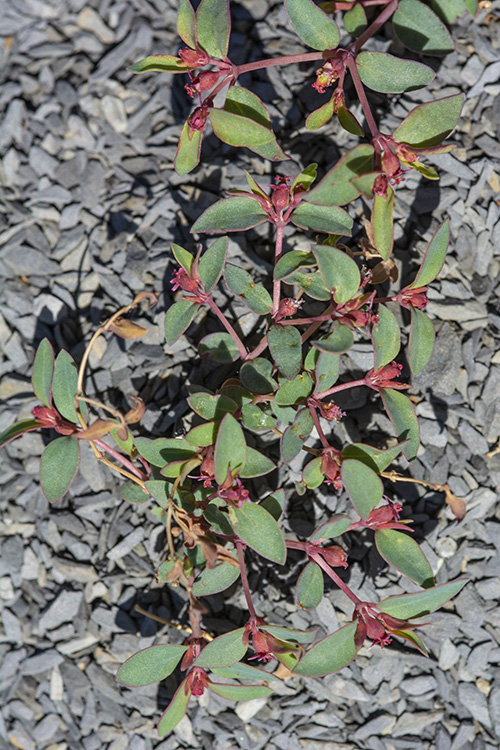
x=328, y=219
x=421, y=341
x=337, y=525
x=256, y=464
x=239, y=131
x=187, y=157
x=43, y=368
x=408, y=606
x=213, y=22
x=58, y=467
x=257, y=528
x=385, y=337
x=434, y=257
x=363, y=486
x=376, y=459
x=186, y=23
x=329, y=655
x=285, y=345
x=230, y=215
x=230, y=449
x=178, y=319
x=256, y=375
x=419, y=29
x=175, y=710
x=429, y=124
x=320, y=116
x=382, y=222
x=220, y=347
x=339, y=271
x=223, y=651
x=213, y=580
x=310, y=587
x=64, y=386
x=161, y=63
x=390, y=75
x=212, y=262
x=335, y=189
x=312, y=25
x=402, y=415
x=150, y=665
x=239, y=692
x=404, y=554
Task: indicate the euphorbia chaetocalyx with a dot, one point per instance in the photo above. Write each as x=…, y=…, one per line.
x=287, y=377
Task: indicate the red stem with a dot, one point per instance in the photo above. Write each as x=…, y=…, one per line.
x=244, y=577
x=229, y=328
x=375, y=26
x=370, y=120
x=337, y=579
x=319, y=430
x=338, y=388
x=285, y=60
x=278, y=252
x=121, y=459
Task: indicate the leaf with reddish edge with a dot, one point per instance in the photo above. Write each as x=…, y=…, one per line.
x=208, y=406
x=434, y=257
x=312, y=474
x=382, y=222
x=310, y=587
x=320, y=116
x=220, y=347
x=421, y=603
x=187, y=157
x=214, y=580
x=213, y=21
x=420, y=29
x=285, y=345
x=429, y=124
x=178, y=319
x=355, y=21
x=335, y=189
x=211, y=263
x=291, y=262
x=330, y=654
x=239, y=131
x=328, y=219
x=43, y=369
x=327, y=370
x=403, y=553
x=183, y=257
x=150, y=665
x=239, y=692
x=413, y=638
x=402, y=415
x=363, y=486
x=291, y=636
x=58, y=467
x=175, y=710
x=421, y=341
x=255, y=296
x=65, y=386
x=163, y=451
x=349, y=122
x=391, y=75
x=312, y=25
x=246, y=104
x=376, y=459
x=305, y=179
x=336, y=526
x=223, y=651
x=240, y=671
x=259, y=530
x=230, y=449
x=339, y=341
x=256, y=464
x=386, y=338
x=230, y=215
x=160, y=63
x=186, y=23
x=339, y=271
x=18, y=428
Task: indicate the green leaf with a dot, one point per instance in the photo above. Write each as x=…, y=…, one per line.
x=230, y=449
x=421, y=603
x=312, y=25
x=292, y=439
x=312, y=475
x=18, y=428
x=386, y=338
x=219, y=521
x=291, y=391
x=230, y=215
x=150, y=665
x=220, y=347
x=404, y=554
x=450, y=10
x=339, y=272
x=310, y=283
x=376, y=459
x=175, y=710
x=257, y=528
x=329, y=655
x=241, y=283
x=363, y=486
x=238, y=394
x=424, y=169
x=355, y=20
x=336, y=526
x=132, y=493
x=213, y=21
x=256, y=376
x=255, y=419
x=253, y=184
x=382, y=222
x=421, y=341
x=213, y=580
x=187, y=157
x=274, y=503
x=223, y=651
x=43, y=368
x=58, y=467
x=239, y=131
x=163, y=451
x=472, y=6
x=335, y=189
x=327, y=371
x=413, y=638
x=64, y=386
x=212, y=262
x=256, y=464
x=310, y=587
x=239, y=692
x=186, y=23
x=349, y=122
x=246, y=104
x=203, y=435
x=320, y=116
x=402, y=415
x=391, y=75
x=288, y=635
x=291, y=262
x=161, y=63
x=419, y=29
x=430, y=123
x=338, y=341
x=305, y=179
x=183, y=257
x=434, y=257
x=242, y=671
x=178, y=318
x=127, y=445
x=210, y=407
x=285, y=345
x=328, y=219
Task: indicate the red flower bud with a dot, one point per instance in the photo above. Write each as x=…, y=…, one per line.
x=334, y=556
x=381, y=185
x=409, y=298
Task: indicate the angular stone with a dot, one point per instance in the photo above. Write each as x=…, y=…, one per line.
x=64, y=608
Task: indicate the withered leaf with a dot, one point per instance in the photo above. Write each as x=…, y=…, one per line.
x=126, y=329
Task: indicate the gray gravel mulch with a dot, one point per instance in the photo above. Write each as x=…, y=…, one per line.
x=89, y=206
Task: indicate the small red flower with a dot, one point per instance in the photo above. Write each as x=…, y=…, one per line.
x=235, y=494
x=50, y=418
x=328, y=73
x=412, y=297
x=330, y=466
x=194, y=58
x=330, y=411
x=383, y=377
x=281, y=193
x=377, y=626
x=287, y=308
x=381, y=185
